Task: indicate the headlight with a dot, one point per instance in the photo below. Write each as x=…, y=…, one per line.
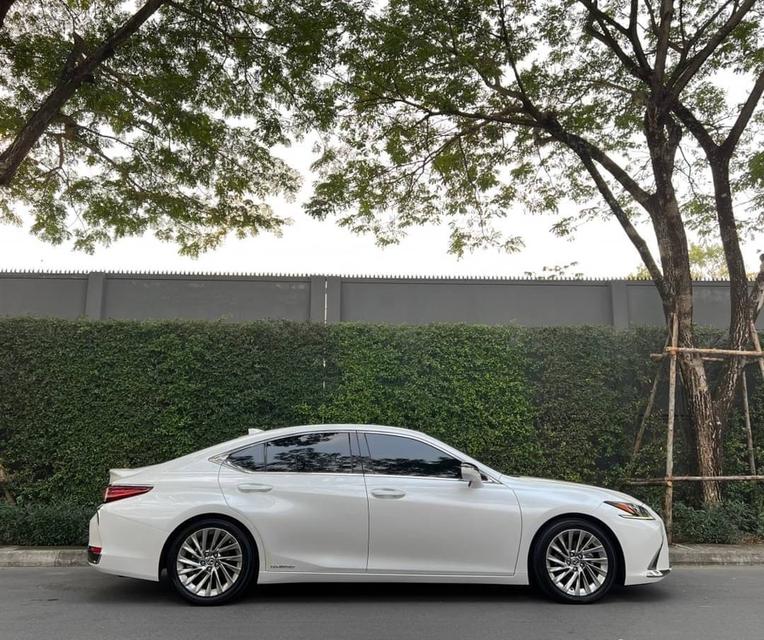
x=631, y=511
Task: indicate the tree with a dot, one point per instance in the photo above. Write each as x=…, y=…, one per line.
x=706, y=263
x=464, y=111
x=120, y=117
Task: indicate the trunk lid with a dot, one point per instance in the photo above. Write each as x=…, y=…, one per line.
x=121, y=475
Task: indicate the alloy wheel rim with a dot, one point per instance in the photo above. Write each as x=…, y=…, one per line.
x=209, y=562
x=576, y=562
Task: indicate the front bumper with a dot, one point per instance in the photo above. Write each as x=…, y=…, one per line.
x=658, y=573
x=644, y=545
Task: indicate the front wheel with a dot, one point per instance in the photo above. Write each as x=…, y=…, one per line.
x=211, y=562
x=575, y=561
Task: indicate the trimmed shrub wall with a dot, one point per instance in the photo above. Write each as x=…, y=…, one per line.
x=77, y=398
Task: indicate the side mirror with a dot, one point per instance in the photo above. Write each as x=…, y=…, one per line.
x=471, y=474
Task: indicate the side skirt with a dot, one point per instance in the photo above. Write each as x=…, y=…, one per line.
x=273, y=577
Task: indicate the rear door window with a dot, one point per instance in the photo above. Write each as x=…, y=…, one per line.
x=304, y=453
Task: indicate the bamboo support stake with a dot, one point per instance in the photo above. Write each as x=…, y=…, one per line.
x=648, y=411
x=668, y=506
x=747, y=418
x=648, y=481
x=4, y=484
x=757, y=344
x=649, y=407
x=657, y=357
x=718, y=352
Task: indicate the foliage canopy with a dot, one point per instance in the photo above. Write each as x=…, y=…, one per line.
x=117, y=118
x=464, y=111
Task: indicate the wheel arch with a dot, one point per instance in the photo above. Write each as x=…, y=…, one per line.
x=205, y=516
x=620, y=576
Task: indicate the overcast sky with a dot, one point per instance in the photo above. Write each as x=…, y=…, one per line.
x=309, y=246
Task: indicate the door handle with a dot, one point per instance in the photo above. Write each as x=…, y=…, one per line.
x=253, y=487
x=389, y=494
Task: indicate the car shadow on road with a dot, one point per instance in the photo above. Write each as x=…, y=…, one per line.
x=129, y=591
x=398, y=592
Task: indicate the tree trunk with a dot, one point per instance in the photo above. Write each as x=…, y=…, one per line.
x=663, y=136
x=706, y=425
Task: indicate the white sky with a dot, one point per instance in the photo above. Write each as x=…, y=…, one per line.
x=309, y=246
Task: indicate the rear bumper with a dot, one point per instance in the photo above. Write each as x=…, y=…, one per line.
x=94, y=555
x=127, y=548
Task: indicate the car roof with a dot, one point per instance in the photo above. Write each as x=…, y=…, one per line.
x=269, y=434
x=343, y=426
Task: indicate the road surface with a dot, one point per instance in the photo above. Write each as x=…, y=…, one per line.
x=693, y=603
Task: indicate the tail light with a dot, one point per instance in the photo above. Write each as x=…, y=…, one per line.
x=94, y=554
x=119, y=492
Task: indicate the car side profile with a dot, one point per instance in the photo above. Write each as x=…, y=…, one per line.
x=343, y=503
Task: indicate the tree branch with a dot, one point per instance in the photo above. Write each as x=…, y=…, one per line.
x=5, y=6
x=12, y=157
x=664, y=31
x=623, y=178
x=684, y=73
x=603, y=17
x=728, y=146
x=605, y=37
x=696, y=128
x=623, y=219
x=633, y=34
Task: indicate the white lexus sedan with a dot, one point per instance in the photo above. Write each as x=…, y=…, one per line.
x=341, y=503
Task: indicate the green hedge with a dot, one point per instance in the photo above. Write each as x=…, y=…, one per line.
x=45, y=524
x=77, y=398
x=464, y=385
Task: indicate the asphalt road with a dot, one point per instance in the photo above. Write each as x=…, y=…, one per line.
x=78, y=603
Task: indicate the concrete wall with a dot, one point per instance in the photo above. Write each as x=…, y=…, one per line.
x=162, y=296
x=318, y=298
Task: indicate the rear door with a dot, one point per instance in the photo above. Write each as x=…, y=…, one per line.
x=306, y=497
x=424, y=519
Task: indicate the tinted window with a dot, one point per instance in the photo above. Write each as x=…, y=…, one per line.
x=252, y=458
x=311, y=452
x=393, y=455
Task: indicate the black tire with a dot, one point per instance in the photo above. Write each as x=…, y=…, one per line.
x=247, y=568
x=540, y=566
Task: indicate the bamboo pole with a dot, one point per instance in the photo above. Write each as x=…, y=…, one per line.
x=719, y=352
x=646, y=416
x=647, y=481
x=669, y=502
x=4, y=484
x=747, y=419
x=757, y=344
x=657, y=357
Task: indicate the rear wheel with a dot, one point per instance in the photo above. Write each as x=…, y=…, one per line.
x=575, y=561
x=211, y=561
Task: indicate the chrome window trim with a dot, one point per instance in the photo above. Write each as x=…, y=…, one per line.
x=222, y=458
x=489, y=479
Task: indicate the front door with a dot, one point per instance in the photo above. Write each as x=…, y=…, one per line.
x=424, y=519
x=305, y=496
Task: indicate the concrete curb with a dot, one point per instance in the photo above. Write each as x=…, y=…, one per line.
x=690, y=554
x=710, y=554
x=43, y=557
